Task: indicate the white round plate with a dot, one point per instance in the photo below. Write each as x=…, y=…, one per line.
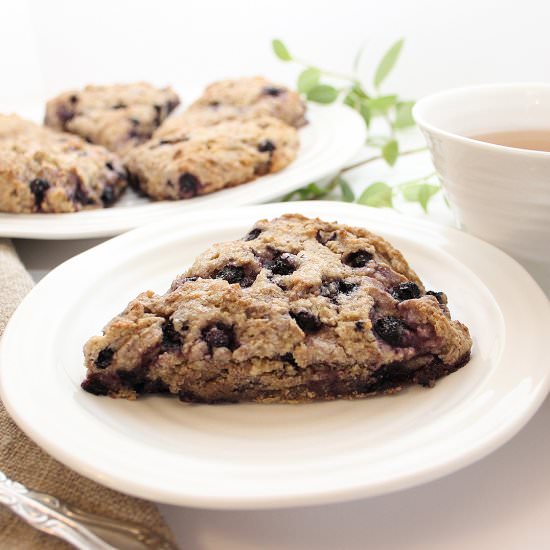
x=334, y=135
x=261, y=456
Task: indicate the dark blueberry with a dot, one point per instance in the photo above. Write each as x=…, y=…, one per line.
x=109, y=166
x=405, y=291
x=73, y=99
x=393, y=330
x=104, y=358
x=81, y=196
x=272, y=90
x=108, y=196
x=119, y=106
x=389, y=376
x=439, y=296
x=38, y=189
x=156, y=386
x=266, y=146
x=64, y=114
x=333, y=288
x=171, y=105
x=289, y=358
x=231, y=273
x=284, y=264
x=345, y=287
x=243, y=275
x=171, y=338
x=324, y=237
x=188, y=185
x=219, y=335
x=95, y=385
x=134, y=379
x=253, y=234
x=158, y=114
x=307, y=321
x=359, y=258
x=359, y=325
x=133, y=181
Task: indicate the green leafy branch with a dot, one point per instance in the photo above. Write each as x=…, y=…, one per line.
x=370, y=104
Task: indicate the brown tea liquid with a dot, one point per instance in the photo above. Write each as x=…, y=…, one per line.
x=536, y=140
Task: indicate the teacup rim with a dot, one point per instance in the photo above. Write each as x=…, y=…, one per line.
x=424, y=125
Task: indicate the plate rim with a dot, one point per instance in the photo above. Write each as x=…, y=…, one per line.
x=142, y=489
x=94, y=226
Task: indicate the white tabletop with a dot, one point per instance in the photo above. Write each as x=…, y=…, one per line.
x=501, y=502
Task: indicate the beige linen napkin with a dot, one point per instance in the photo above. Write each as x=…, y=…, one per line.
x=23, y=461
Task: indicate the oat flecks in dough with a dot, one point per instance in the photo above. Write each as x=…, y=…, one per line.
x=46, y=171
x=282, y=315
x=200, y=160
x=118, y=116
x=248, y=97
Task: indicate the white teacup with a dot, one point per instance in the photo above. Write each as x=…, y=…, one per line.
x=501, y=194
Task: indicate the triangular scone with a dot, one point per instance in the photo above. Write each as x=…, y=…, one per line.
x=297, y=310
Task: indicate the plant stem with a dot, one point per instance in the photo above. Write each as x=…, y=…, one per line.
x=341, y=76
x=379, y=157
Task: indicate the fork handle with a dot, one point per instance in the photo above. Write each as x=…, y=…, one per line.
x=83, y=530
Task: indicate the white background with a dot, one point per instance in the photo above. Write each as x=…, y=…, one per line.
x=46, y=46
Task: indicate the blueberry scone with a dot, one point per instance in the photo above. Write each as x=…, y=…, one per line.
x=297, y=310
x=118, y=117
x=46, y=171
x=243, y=97
x=195, y=161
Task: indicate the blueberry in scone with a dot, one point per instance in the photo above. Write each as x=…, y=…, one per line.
x=282, y=315
x=244, y=97
x=195, y=161
x=118, y=117
x=46, y=171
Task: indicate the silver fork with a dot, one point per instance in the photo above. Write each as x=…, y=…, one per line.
x=81, y=529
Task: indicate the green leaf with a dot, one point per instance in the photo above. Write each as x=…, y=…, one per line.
x=390, y=152
x=314, y=191
x=387, y=63
x=382, y=103
x=419, y=191
x=322, y=93
x=347, y=192
x=364, y=111
x=403, y=115
x=357, y=58
x=377, y=141
x=411, y=189
x=359, y=91
x=308, y=79
x=280, y=50
x=378, y=194
x=424, y=196
x=351, y=100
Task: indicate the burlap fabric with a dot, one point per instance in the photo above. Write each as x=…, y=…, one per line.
x=23, y=461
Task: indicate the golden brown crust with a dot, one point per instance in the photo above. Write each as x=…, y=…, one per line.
x=200, y=160
x=118, y=116
x=297, y=310
x=250, y=97
x=46, y=171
